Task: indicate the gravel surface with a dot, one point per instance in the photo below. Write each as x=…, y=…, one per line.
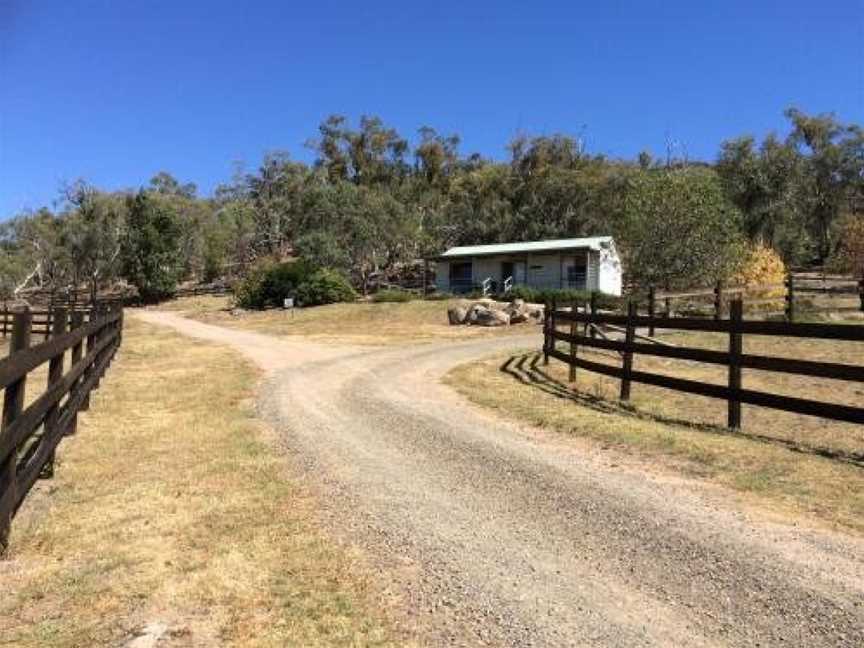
x=493, y=533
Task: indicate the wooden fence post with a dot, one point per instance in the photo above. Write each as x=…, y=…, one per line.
x=574, y=329
x=592, y=331
x=735, y=348
x=629, y=337
x=790, y=297
x=861, y=289
x=77, y=322
x=547, y=318
x=91, y=343
x=51, y=434
x=718, y=300
x=13, y=404
x=652, y=308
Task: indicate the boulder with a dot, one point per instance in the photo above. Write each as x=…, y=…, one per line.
x=457, y=314
x=535, y=311
x=476, y=311
x=520, y=312
x=489, y=317
x=488, y=312
x=491, y=304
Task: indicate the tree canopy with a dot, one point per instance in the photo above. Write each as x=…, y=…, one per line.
x=375, y=201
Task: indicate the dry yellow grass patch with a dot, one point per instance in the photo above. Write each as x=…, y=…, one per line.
x=172, y=505
x=657, y=426
x=356, y=323
x=799, y=430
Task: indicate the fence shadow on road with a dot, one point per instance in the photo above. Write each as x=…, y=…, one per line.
x=528, y=370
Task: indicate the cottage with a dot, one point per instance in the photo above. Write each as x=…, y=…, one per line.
x=580, y=264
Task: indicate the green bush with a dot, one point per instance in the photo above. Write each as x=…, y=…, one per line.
x=562, y=297
x=324, y=286
x=269, y=283
x=392, y=295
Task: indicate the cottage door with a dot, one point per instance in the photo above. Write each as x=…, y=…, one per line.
x=519, y=273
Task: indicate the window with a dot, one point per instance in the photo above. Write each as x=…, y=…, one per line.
x=461, y=276
x=576, y=277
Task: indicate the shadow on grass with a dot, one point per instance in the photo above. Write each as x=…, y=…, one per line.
x=527, y=369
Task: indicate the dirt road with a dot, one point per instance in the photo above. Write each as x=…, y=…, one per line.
x=499, y=534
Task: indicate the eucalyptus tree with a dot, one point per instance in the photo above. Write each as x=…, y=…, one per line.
x=151, y=246
x=93, y=226
x=765, y=183
x=833, y=169
x=679, y=228
x=371, y=154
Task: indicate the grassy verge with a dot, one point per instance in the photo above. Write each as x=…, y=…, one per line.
x=171, y=507
x=357, y=323
x=778, y=459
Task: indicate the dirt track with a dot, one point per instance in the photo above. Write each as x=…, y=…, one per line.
x=496, y=533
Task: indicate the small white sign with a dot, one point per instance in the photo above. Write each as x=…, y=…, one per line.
x=289, y=302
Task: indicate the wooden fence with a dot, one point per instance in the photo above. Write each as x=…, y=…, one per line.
x=800, y=294
x=733, y=359
x=41, y=320
x=204, y=289
x=30, y=434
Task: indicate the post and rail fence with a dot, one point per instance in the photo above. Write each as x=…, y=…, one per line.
x=799, y=294
x=30, y=432
x=735, y=327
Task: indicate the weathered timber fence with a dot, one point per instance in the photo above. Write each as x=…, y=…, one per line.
x=41, y=320
x=205, y=289
x=800, y=294
x=734, y=359
x=30, y=434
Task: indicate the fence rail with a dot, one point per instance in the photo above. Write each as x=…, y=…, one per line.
x=734, y=359
x=792, y=298
x=198, y=291
x=30, y=434
x=41, y=322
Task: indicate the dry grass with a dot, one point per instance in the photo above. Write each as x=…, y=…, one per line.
x=172, y=505
x=801, y=431
x=357, y=323
x=778, y=458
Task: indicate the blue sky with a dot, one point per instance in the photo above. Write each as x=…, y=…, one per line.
x=114, y=91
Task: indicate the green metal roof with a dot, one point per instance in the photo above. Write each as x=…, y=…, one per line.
x=591, y=242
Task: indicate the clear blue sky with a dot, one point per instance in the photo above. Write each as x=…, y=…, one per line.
x=114, y=91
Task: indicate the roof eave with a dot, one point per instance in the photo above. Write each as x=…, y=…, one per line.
x=446, y=256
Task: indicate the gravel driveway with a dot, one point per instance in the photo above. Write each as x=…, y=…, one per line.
x=493, y=533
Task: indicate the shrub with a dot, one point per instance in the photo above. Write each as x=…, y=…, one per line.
x=325, y=286
x=392, y=295
x=530, y=295
x=762, y=265
x=562, y=297
x=269, y=283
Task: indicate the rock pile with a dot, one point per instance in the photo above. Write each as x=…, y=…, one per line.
x=488, y=312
